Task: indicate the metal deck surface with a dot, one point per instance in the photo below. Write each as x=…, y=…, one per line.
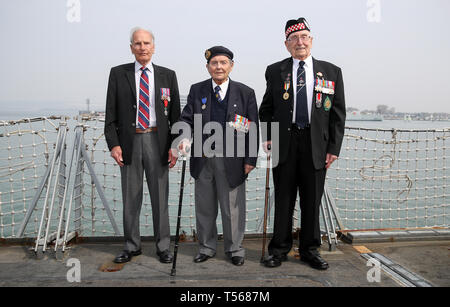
x=19, y=266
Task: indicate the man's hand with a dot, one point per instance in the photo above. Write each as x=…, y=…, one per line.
x=184, y=147
x=267, y=146
x=116, y=153
x=330, y=159
x=248, y=168
x=173, y=157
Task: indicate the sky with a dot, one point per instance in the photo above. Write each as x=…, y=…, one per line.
x=57, y=53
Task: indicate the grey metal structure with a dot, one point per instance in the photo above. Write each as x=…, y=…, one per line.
x=60, y=187
x=59, y=162
x=329, y=215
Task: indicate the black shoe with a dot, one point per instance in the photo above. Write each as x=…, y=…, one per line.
x=126, y=256
x=201, y=258
x=315, y=261
x=274, y=261
x=165, y=257
x=237, y=260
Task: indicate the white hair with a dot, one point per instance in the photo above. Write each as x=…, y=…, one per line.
x=135, y=29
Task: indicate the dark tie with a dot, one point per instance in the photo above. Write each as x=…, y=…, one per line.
x=301, y=113
x=216, y=92
x=144, y=100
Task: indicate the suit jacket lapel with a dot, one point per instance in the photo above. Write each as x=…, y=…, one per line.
x=316, y=68
x=286, y=75
x=232, y=99
x=205, y=92
x=158, y=76
x=131, y=79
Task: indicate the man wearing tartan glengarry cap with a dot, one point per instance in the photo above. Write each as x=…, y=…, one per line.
x=306, y=97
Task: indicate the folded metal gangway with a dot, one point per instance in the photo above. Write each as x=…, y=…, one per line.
x=58, y=188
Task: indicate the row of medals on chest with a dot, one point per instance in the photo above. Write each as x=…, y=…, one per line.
x=319, y=89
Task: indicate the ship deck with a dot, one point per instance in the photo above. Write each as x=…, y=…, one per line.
x=20, y=266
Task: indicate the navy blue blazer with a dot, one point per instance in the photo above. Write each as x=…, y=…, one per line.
x=241, y=101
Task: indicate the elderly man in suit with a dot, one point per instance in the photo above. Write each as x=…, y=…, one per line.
x=306, y=97
x=142, y=104
x=221, y=162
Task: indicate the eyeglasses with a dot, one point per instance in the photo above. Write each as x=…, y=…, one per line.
x=296, y=38
x=222, y=63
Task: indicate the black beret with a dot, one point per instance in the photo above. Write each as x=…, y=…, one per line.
x=218, y=50
x=294, y=25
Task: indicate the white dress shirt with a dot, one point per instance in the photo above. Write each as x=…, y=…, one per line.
x=309, y=75
x=151, y=81
x=223, y=88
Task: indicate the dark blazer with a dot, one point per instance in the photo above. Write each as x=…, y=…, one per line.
x=241, y=101
x=327, y=126
x=121, y=108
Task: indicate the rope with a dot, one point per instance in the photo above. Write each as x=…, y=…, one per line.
x=383, y=178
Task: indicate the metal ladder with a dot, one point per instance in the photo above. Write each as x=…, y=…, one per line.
x=60, y=188
x=329, y=214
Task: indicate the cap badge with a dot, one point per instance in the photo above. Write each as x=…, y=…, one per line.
x=207, y=54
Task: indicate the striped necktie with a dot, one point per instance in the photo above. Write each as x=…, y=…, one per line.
x=301, y=107
x=216, y=92
x=144, y=100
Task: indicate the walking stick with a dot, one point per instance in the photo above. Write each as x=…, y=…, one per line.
x=266, y=203
x=177, y=236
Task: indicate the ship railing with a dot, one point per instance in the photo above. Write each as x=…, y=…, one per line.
x=384, y=178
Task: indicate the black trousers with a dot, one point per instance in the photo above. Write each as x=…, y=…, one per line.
x=297, y=174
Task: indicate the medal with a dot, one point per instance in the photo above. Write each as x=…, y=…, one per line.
x=318, y=85
x=324, y=86
x=165, y=97
x=240, y=123
x=204, y=103
x=327, y=104
x=318, y=100
x=331, y=87
x=287, y=85
x=166, y=102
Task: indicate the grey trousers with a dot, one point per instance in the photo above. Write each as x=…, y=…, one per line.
x=212, y=188
x=145, y=158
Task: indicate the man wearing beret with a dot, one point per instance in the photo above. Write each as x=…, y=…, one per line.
x=220, y=168
x=141, y=106
x=306, y=97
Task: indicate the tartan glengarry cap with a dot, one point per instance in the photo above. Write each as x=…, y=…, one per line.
x=218, y=50
x=295, y=25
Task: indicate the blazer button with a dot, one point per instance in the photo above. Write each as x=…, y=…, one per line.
x=134, y=106
x=289, y=129
x=133, y=124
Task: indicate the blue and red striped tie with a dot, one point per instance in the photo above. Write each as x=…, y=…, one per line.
x=144, y=100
